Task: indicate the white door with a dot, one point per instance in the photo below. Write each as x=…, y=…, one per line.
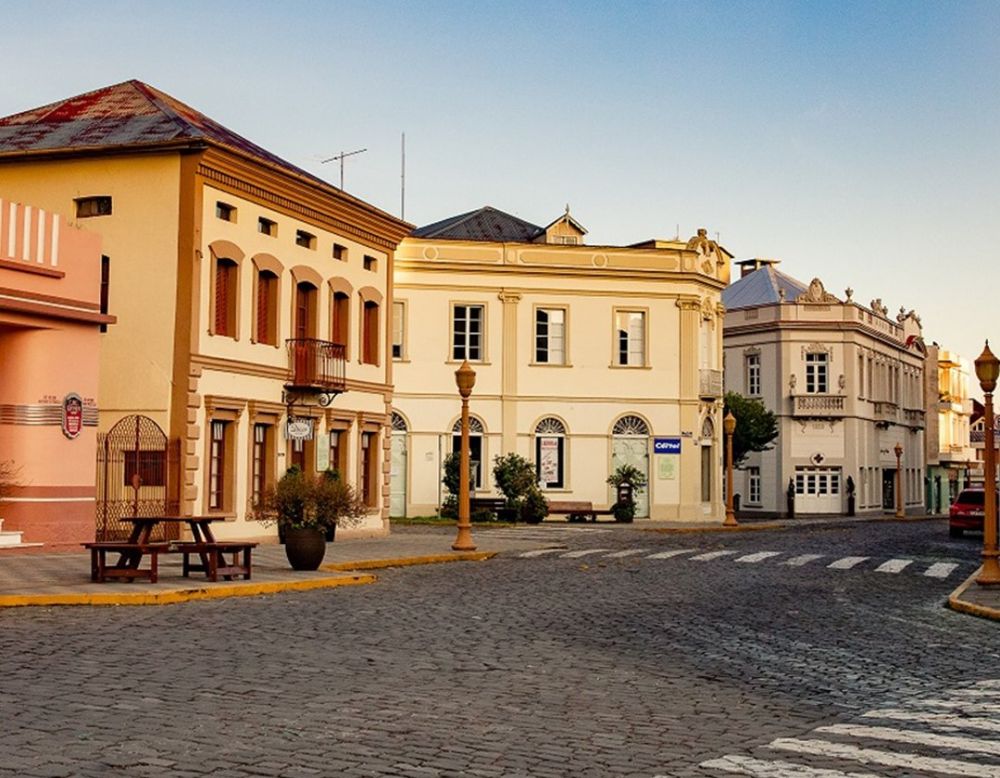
x=633, y=451
x=397, y=476
x=817, y=490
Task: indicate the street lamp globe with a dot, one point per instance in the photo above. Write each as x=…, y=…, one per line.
x=465, y=378
x=987, y=369
x=898, y=449
x=729, y=423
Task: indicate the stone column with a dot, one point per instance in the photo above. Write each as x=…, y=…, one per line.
x=508, y=390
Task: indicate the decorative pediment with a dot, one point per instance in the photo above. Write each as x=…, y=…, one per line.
x=816, y=293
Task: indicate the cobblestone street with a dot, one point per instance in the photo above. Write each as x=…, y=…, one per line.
x=611, y=656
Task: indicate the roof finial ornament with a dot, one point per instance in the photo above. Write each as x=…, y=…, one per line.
x=567, y=209
x=781, y=293
x=849, y=293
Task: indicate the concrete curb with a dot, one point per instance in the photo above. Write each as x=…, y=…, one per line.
x=183, y=595
x=430, y=559
x=720, y=528
x=956, y=603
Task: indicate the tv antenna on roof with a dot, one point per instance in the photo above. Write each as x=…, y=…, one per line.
x=341, y=156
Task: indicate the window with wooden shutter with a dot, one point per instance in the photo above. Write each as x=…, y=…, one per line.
x=267, y=288
x=340, y=318
x=369, y=337
x=225, y=297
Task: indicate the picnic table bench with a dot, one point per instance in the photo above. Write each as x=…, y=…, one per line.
x=131, y=555
x=212, y=556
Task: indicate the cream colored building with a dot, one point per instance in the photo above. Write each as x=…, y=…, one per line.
x=949, y=408
x=584, y=357
x=846, y=383
x=248, y=294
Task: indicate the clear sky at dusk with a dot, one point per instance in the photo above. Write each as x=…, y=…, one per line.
x=857, y=142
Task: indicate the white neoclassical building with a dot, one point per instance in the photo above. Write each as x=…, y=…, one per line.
x=846, y=382
x=586, y=357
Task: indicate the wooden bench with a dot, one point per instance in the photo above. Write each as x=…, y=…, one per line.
x=493, y=504
x=213, y=560
x=576, y=511
x=131, y=555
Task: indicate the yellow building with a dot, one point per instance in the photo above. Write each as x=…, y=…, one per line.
x=251, y=300
x=586, y=357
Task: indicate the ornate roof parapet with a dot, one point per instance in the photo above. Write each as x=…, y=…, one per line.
x=816, y=293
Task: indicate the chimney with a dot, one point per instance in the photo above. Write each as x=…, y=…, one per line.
x=748, y=266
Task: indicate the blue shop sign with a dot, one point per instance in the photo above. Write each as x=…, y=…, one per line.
x=666, y=445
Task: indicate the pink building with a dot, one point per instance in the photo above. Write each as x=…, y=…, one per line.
x=51, y=316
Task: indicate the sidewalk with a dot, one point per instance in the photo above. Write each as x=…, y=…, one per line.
x=970, y=597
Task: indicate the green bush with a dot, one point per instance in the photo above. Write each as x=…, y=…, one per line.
x=535, y=506
x=515, y=478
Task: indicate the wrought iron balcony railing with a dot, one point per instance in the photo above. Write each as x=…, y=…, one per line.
x=316, y=365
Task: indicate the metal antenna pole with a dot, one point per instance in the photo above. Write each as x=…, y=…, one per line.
x=341, y=156
x=402, y=181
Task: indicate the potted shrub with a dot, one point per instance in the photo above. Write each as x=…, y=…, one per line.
x=850, y=496
x=626, y=479
x=307, y=509
x=790, y=496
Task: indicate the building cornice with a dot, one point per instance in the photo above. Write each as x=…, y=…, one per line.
x=841, y=326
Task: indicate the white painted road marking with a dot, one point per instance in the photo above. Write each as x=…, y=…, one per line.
x=627, y=552
x=539, y=552
x=936, y=719
x=920, y=764
x=893, y=565
x=712, y=555
x=758, y=768
x=940, y=570
x=964, y=744
x=804, y=559
x=848, y=562
x=584, y=552
x=964, y=705
x=759, y=556
x=668, y=554
x=977, y=692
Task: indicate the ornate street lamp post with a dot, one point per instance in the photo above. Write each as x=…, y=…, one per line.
x=465, y=377
x=729, y=425
x=987, y=371
x=900, y=513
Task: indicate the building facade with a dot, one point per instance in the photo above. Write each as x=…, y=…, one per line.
x=50, y=321
x=950, y=455
x=977, y=439
x=586, y=358
x=252, y=301
x=846, y=383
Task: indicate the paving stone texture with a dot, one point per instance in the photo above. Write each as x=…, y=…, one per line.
x=627, y=665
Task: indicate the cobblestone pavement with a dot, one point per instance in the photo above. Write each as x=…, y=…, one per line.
x=595, y=665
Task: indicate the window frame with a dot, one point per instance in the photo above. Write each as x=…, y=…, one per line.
x=616, y=337
x=267, y=227
x=225, y=212
x=229, y=268
x=817, y=367
x=453, y=331
x=401, y=307
x=370, y=345
x=535, y=323
x=305, y=239
x=753, y=375
x=103, y=205
x=753, y=486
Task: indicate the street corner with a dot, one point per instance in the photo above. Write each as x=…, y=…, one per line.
x=975, y=600
x=409, y=561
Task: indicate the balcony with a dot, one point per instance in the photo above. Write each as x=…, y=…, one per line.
x=914, y=417
x=315, y=366
x=818, y=406
x=885, y=413
x=709, y=383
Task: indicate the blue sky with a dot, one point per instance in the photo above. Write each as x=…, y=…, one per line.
x=856, y=142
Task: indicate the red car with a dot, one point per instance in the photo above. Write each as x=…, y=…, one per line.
x=967, y=512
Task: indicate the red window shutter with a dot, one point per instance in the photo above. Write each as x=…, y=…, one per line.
x=263, y=308
x=221, y=298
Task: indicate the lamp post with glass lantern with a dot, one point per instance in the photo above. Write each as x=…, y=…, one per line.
x=465, y=377
x=729, y=425
x=899, y=482
x=987, y=371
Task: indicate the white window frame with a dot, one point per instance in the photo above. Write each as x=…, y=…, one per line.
x=461, y=334
x=399, y=330
x=636, y=338
x=753, y=375
x=817, y=372
x=554, y=339
x=753, y=486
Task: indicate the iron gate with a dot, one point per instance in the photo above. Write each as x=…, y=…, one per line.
x=134, y=469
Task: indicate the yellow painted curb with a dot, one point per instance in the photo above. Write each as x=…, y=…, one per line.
x=956, y=603
x=183, y=595
x=720, y=528
x=431, y=559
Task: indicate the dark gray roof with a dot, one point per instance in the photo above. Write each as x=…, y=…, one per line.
x=761, y=288
x=488, y=224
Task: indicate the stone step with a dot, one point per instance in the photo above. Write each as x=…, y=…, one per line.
x=10, y=539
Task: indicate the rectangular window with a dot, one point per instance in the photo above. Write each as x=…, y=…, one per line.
x=816, y=382
x=339, y=252
x=225, y=297
x=630, y=332
x=550, y=336
x=217, y=467
x=260, y=459
x=305, y=239
x=753, y=375
x=467, y=328
x=267, y=227
x=105, y=287
x=549, y=461
x=369, y=333
x=754, y=486
x=338, y=451
x=706, y=473
x=398, y=323
x=371, y=263
x=225, y=211
x=475, y=457
x=369, y=461
x=341, y=316
x=93, y=206
x=861, y=375
x=267, y=308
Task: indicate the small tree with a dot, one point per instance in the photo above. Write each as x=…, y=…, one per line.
x=626, y=474
x=515, y=478
x=756, y=426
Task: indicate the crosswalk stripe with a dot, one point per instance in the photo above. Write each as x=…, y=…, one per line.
x=804, y=559
x=711, y=555
x=965, y=744
x=627, y=552
x=940, y=569
x=673, y=553
x=994, y=684
x=935, y=719
x=977, y=692
x=758, y=557
x=893, y=565
x=848, y=562
x=922, y=764
x=539, y=552
x=777, y=768
x=963, y=705
x=584, y=552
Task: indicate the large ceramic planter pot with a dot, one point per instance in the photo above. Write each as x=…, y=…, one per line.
x=305, y=548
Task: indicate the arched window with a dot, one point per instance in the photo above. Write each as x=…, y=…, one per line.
x=708, y=429
x=550, y=453
x=476, y=452
x=266, y=326
x=399, y=423
x=631, y=425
